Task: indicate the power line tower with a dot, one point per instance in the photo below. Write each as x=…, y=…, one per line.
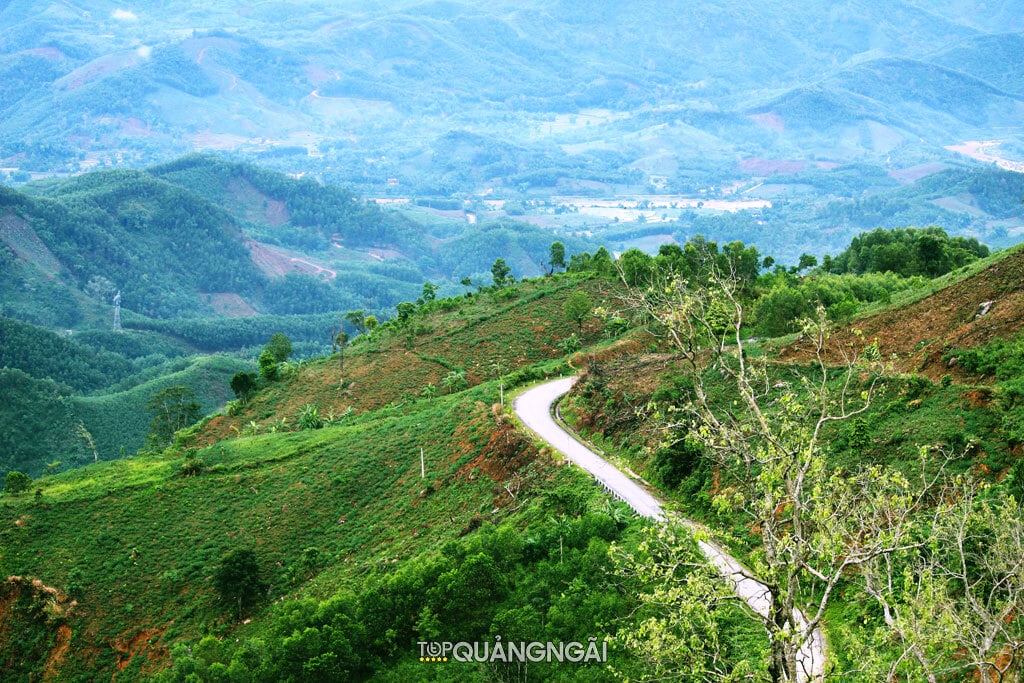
x=117, y=311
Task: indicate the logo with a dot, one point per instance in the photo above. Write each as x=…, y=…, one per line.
x=512, y=652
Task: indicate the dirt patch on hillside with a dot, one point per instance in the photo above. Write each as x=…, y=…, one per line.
x=130, y=647
x=60, y=650
x=918, y=334
x=53, y=603
x=230, y=305
x=277, y=263
x=769, y=120
x=914, y=173
x=50, y=53
x=256, y=206
x=761, y=167
x=16, y=233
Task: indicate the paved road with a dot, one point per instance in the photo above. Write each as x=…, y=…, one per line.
x=534, y=408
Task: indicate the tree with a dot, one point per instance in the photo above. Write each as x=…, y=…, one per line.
x=357, y=319
x=268, y=365
x=81, y=430
x=499, y=368
x=636, y=267
x=244, y=385
x=16, y=482
x=556, y=258
x=764, y=439
x=237, y=579
x=338, y=343
x=454, y=380
x=275, y=351
x=429, y=392
x=683, y=603
x=577, y=308
x=371, y=323
x=742, y=262
x=954, y=600
x=405, y=310
x=430, y=291
x=601, y=262
x=807, y=261
x=501, y=273
x=173, y=408
x=279, y=346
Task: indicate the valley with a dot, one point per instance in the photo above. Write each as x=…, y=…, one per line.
x=287, y=292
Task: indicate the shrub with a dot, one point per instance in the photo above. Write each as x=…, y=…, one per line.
x=16, y=482
x=237, y=579
x=309, y=417
x=570, y=344
x=193, y=465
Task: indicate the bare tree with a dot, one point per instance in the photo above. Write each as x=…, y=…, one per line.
x=682, y=606
x=761, y=425
x=339, y=340
x=954, y=601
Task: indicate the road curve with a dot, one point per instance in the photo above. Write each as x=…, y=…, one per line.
x=534, y=409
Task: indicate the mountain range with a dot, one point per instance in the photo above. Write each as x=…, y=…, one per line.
x=369, y=92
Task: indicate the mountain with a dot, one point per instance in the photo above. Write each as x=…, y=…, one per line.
x=360, y=94
x=995, y=59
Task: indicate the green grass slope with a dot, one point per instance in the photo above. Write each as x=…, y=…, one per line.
x=126, y=549
x=134, y=543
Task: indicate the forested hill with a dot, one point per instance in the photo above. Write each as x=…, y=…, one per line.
x=202, y=237
x=298, y=212
x=159, y=244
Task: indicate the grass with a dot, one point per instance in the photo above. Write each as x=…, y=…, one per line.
x=135, y=542
x=391, y=366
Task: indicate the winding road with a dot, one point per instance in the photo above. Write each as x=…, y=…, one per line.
x=534, y=408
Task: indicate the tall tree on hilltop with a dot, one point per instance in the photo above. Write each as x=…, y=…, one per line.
x=556, y=258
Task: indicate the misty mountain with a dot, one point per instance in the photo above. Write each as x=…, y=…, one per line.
x=364, y=91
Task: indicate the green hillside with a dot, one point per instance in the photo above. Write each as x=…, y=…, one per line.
x=119, y=422
x=297, y=538
x=125, y=230
x=205, y=238
x=46, y=355
x=776, y=243
x=38, y=426
x=338, y=512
